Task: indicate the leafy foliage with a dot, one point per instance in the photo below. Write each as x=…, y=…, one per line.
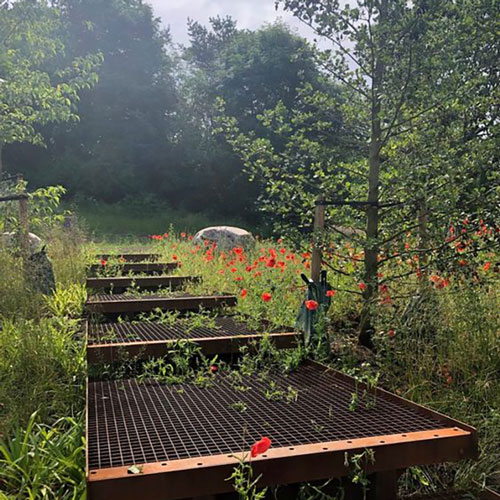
x=29, y=94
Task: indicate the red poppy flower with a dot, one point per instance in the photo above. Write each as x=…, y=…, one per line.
x=279, y=241
x=487, y=265
x=257, y=274
x=233, y=269
x=103, y=262
x=283, y=251
x=311, y=305
x=238, y=250
x=270, y=263
x=238, y=278
x=266, y=297
x=183, y=235
x=165, y=235
x=260, y=446
x=330, y=293
x=174, y=257
x=362, y=286
x=190, y=238
x=213, y=368
x=221, y=271
x=244, y=293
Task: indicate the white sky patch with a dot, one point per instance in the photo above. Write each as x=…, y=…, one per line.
x=250, y=14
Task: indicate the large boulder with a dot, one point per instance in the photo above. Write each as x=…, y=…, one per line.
x=9, y=240
x=226, y=237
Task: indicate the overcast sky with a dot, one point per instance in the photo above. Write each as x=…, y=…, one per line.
x=248, y=13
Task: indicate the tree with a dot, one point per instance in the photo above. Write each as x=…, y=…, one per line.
x=397, y=62
x=252, y=71
x=30, y=96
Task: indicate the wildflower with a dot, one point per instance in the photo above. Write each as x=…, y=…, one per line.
x=238, y=278
x=279, y=241
x=266, y=297
x=260, y=446
x=330, y=293
x=487, y=265
x=257, y=274
x=183, y=235
x=174, y=257
x=238, y=250
x=391, y=333
x=244, y=293
x=190, y=238
x=221, y=271
x=233, y=269
x=270, y=263
x=311, y=305
x=165, y=235
x=362, y=286
x=213, y=368
x=283, y=251
x=103, y=262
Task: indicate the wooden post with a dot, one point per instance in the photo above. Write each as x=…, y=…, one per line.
x=24, y=227
x=319, y=226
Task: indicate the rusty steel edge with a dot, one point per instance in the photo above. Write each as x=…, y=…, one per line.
x=196, y=476
x=229, y=344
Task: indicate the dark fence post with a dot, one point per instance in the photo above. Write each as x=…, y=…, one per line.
x=24, y=227
x=319, y=226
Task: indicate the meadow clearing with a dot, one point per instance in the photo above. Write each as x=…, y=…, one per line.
x=442, y=351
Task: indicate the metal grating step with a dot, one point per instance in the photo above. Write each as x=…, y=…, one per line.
x=109, y=342
x=129, y=257
x=187, y=435
x=130, y=304
x=119, y=284
x=137, y=268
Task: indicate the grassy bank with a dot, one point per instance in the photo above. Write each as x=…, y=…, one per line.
x=134, y=219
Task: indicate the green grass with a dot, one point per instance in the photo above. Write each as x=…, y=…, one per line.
x=129, y=219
